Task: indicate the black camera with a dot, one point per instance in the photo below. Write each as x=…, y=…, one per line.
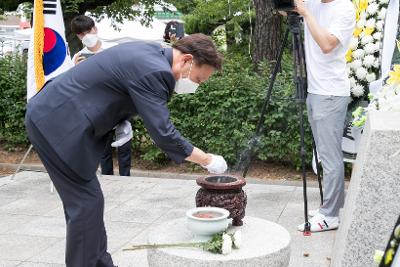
x=284, y=5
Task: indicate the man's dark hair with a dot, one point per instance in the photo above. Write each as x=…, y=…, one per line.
x=202, y=48
x=81, y=24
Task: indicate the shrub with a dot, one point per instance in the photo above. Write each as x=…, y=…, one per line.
x=12, y=100
x=220, y=118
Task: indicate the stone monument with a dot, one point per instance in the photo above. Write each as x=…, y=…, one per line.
x=372, y=202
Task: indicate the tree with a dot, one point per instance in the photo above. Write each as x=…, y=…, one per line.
x=267, y=32
x=233, y=14
x=117, y=10
x=184, y=6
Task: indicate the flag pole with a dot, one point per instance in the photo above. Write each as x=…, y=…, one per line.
x=22, y=162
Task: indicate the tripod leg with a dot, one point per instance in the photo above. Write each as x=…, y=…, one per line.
x=247, y=156
x=318, y=172
x=299, y=76
x=22, y=162
x=307, y=226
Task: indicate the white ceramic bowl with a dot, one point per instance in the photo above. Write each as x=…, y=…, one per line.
x=207, y=226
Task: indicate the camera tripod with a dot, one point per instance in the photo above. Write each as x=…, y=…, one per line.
x=300, y=79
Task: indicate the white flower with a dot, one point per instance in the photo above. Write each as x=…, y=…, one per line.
x=348, y=69
x=383, y=2
x=361, y=23
x=357, y=90
x=226, y=244
x=391, y=103
x=377, y=63
x=357, y=63
x=371, y=77
x=387, y=91
x=367, y=39
x=352, y=82
x=369, y=61
x=361, y=73
x=354, y=43
x=359, y=53
x=377, y=36
x=382, y=14
x=372, y=8
x=379, y=25
x=370, y=48
x=378, y=45
x=370, y=23
x=237, y=239
x=363, y=16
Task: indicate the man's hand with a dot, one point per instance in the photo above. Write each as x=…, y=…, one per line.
x=283, y=13
x=79, y=59
x=172, y=38
x=217, y=165
x=301, y=8
x=123, y=133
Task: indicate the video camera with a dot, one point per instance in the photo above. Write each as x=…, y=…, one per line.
x=284, y=5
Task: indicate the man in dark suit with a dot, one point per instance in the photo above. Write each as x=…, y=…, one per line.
x=68, y=120
x=86, y=31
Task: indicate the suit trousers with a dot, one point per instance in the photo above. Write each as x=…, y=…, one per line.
x=326, y=115
x=83, y=203
x=124, y=158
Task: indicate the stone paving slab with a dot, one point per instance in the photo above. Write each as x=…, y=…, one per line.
x=5, y=263
x=23, y=247
x=318, y=246
x=32, y=230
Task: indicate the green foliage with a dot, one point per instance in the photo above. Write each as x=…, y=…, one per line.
x=220, y=118
x=234, y=15
x=215, y=244
x=12, y=100
x=118, y=10
x=184, y=6
x=143, y=145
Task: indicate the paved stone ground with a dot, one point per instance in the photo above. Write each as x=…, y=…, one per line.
x=32, y=228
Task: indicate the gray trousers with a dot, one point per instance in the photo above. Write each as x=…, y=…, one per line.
x=326, y=115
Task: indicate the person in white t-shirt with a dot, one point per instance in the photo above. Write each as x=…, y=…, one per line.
x=328, y=28
x=85, y=29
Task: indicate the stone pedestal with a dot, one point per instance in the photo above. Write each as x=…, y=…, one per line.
x=372, y=203
x=264, y=244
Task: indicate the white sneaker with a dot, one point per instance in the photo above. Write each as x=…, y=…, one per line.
x=312, y=213
x=320, y=223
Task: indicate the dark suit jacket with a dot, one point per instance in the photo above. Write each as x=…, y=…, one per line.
x=79, y=107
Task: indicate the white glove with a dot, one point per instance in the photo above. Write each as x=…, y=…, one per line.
x=123, y=133
x=217, y=165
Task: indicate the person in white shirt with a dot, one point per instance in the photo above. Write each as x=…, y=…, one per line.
x=85, y=29
x=328, y=28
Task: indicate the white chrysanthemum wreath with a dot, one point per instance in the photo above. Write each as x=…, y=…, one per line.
x=386, y=99
x=363, y=58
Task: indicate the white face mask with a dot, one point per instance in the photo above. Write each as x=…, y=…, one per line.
x=186, y=85
x=90, y=40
